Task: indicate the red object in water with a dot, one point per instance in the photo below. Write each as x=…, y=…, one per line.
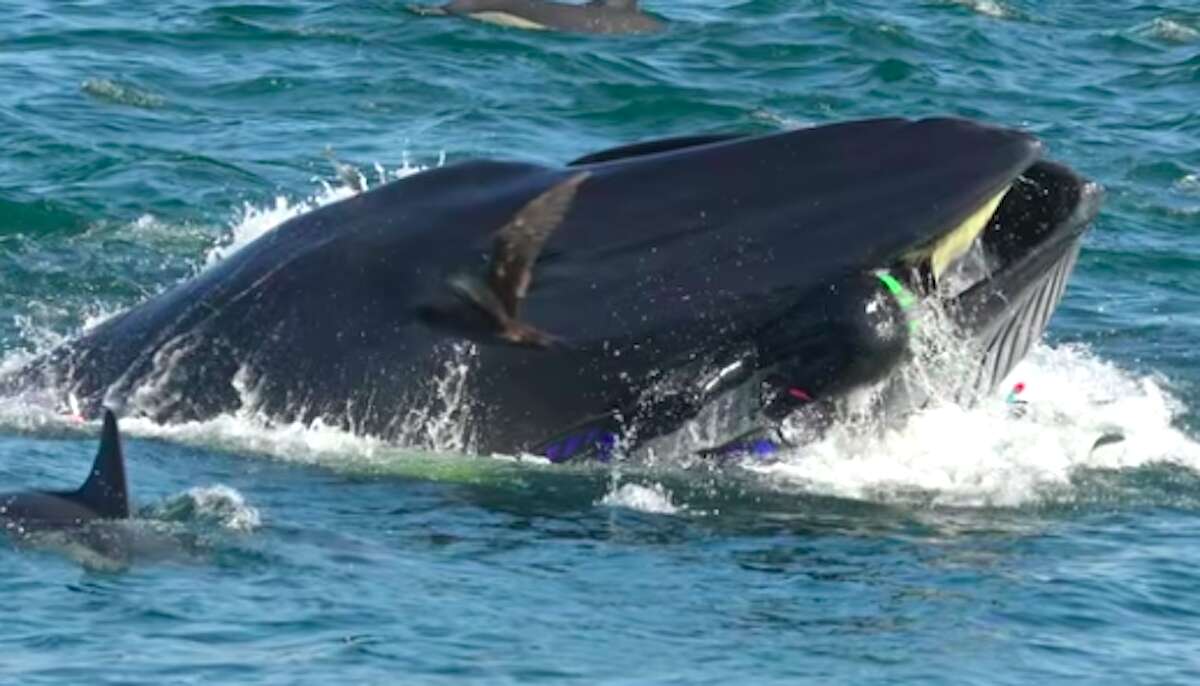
x=1019, y=388
x=799, y=394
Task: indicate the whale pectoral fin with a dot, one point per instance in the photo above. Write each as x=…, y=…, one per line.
x=480, y=294
x=428, y=10
x=520, y=241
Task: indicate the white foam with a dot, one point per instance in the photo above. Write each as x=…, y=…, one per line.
x=1189, y=184
x=780, y=120
x=989, y=8
x=222, y=505
x=254, y=221
x=122, y=93
x=654, y=499
x=992, y=456
x=217, y=506
x=948, y=455
x=307, y=443
x=1170, y=30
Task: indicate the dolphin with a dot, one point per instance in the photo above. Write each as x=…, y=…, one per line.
x=597, y=16
x=568, y=311
x=103, y=496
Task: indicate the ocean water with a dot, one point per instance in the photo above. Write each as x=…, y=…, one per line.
x=141, y=141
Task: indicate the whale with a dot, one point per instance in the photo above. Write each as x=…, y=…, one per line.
x=575, y=311
x=104, y=495
x=596, y=17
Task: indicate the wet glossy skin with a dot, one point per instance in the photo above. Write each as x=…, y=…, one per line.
x=677, y=260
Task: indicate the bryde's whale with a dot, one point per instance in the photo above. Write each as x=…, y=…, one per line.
x=104, y=495
x=614, y=298
x=597, y=16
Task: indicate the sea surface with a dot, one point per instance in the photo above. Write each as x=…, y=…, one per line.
x=141, y=141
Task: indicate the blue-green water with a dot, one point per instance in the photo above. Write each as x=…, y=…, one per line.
x=970, y=547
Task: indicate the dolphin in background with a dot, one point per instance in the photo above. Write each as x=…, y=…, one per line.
x=597, y=16
x=104, y=496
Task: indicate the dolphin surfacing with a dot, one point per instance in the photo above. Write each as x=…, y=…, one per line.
x=613, y=298
x=597, y=16
x=103, y=496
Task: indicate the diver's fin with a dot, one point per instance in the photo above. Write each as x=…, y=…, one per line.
x=761, y=442
x=597, y=438
x=105, y=492
x=630, y=5
x=521, y=240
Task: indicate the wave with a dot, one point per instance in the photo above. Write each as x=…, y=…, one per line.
x=119, y=93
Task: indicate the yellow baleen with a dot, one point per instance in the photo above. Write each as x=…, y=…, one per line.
x=954, y=244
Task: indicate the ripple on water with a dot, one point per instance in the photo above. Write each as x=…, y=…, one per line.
x=655, y=498
x=1166, y=30
x=989, y=8
x=217, y=505
x=1189, y=184
x=120, y=93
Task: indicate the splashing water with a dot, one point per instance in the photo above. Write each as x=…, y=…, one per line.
x=1169, y=31
x=442, y=421
x=119, y=93
x=989, y=8
x=654, y=499
x=990, y=455
x=254, y=221
x=217, y=505
x=1189, y=184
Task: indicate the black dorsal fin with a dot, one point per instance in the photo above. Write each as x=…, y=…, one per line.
x=106, y=492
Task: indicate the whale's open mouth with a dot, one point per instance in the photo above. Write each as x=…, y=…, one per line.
x=1007, y=284
x=998, y=272
x=1043, y=209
